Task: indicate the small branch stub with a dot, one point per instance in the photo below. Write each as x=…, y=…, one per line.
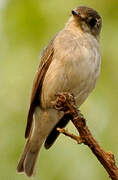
x=72, y=136
x=66, y=102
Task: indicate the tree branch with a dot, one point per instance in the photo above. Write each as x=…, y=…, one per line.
x=65, y=102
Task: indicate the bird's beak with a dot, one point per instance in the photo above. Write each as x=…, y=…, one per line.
x=76, y=13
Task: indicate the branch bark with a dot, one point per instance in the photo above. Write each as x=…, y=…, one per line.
x=65, y=102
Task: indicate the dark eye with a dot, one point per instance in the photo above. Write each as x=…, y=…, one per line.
x=92, y=22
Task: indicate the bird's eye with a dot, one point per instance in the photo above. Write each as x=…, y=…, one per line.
x=92, y=22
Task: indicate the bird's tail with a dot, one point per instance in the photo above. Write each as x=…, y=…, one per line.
x=28, y=159
x=31, y=150
x=43, y=123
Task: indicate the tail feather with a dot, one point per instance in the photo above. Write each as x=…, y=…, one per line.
x=43, y=123
x=29, y=163
x=20, y=167
x=28, y=160
x=31, y=150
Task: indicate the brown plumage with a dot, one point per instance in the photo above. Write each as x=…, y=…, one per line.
x=35, y=96
x=70, y=63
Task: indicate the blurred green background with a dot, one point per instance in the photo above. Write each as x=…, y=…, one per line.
x=26, y=26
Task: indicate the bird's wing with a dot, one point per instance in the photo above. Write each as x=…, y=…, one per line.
x=45, y=61
x=55, y=133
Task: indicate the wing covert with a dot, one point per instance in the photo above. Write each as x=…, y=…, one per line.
x=45, y=61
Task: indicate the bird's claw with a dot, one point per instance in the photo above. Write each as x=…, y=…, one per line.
x=63, y=100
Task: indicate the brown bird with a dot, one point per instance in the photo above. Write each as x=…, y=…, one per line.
x=70, y=63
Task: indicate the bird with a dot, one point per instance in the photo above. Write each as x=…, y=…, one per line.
x=70, y=63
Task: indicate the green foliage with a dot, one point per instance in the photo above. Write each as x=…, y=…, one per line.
x=26, y=26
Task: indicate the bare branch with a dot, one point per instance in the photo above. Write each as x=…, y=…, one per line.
x=65, y=102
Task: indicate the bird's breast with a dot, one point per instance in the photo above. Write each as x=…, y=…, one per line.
x=75, y=69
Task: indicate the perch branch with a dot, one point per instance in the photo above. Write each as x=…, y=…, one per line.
x=65, y=102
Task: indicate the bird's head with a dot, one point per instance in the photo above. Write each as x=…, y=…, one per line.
x=87, y=19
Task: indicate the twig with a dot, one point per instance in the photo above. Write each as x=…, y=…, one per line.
x=72, y=136
x=65, y=102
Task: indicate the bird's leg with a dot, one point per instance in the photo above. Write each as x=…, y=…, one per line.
x=61, y=102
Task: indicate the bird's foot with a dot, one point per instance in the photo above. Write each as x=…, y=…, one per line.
x=63, y=101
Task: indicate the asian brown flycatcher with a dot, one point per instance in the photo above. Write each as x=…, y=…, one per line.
x=70, y=63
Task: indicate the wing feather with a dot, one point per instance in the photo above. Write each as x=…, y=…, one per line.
x=46, y=59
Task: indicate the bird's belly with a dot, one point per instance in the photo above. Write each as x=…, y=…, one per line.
x=81, y=79
x=77, y=77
